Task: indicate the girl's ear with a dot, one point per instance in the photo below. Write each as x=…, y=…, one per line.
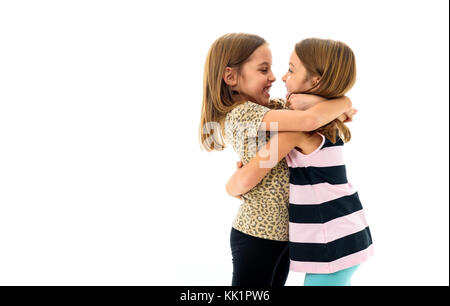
x=315, y=80
x=230, y=76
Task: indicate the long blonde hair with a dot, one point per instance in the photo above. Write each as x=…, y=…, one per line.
x=334, y=63
x=231, y=50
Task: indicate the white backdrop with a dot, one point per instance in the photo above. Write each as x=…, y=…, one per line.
x=102, y=180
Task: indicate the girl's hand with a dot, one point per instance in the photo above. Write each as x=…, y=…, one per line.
x=348, y=116
x=303, y=101
x=239, y=165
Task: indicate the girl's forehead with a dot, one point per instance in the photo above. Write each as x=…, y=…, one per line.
x=294, y=58
x=261, y=54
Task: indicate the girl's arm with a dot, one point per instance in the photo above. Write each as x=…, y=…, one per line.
x=308, y=120
x=247, y=177
x=257, y=168
x=305, y=101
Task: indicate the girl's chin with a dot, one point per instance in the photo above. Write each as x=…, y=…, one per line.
x=263, y=100
x=266, y=100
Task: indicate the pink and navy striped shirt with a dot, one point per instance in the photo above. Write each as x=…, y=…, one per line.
x=327, y=228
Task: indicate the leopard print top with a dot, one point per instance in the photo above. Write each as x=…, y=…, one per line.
x=264, y=212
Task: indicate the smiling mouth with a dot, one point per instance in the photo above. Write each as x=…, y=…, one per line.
x=266, y=90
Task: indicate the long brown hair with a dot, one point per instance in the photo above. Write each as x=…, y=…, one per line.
x=334, y=63
x=231, y=50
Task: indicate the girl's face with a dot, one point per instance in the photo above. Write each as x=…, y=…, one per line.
x=296, y=79
x=255, y=78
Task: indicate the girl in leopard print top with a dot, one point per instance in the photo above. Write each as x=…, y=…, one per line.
x=237, y=109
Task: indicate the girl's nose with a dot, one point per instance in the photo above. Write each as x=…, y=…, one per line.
x=272, y=78
x=284, y=77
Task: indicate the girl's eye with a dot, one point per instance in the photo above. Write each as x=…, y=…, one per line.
x=264, y=70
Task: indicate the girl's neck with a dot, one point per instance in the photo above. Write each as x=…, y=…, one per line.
x=238, y=98
x=243, y=98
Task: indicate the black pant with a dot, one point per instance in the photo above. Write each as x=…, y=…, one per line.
x=258, y=261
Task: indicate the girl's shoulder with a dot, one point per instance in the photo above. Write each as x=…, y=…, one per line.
x=249, y=108
x=250, y=113
x=244, y=120
x=246, y=111
x=328, y=143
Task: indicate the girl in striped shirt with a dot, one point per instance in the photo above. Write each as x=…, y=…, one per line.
x=328, y=233
x=236, y=103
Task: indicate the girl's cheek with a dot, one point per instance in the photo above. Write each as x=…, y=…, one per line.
x=288, y=81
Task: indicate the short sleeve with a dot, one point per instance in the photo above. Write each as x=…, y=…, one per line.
x=243, y=122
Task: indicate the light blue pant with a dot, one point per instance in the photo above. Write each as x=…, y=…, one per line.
x=339, y=278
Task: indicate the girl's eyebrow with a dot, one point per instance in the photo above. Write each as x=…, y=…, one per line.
x=264, y=63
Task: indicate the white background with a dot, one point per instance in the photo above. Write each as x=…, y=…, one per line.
x=102, y=179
